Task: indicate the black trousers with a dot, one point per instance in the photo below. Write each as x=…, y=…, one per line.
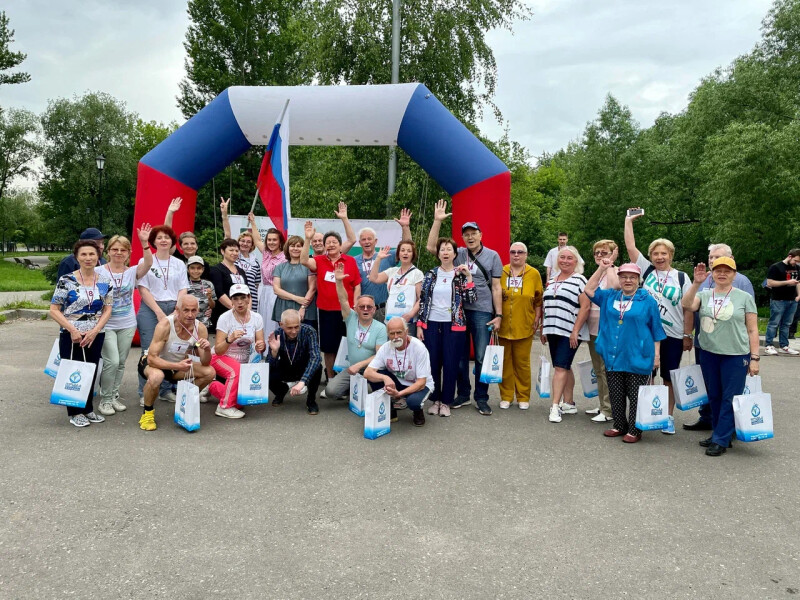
x=285, y=372
x=75, y=352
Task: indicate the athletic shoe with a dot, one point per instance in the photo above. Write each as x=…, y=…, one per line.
x=601, y=418
x=311, y=407
x=670, y=428
x=168, y=397
x=229, y=413
x=770, y=350
x=568, y=409
x=204, y=395
x=323, y=394
x=484, y=409
x=148, y=421
x=459, y=402
x=555, y=414
x=524, y=405
x=434, y=408
x=444, y=410
x=400, y=404
x=94, y=417
x=106, y=408
x=504, y=404
x=141, y=401
x=117, y=405
x=790, y=351
x=418, y=418
x=593, y=411
x=79, y=421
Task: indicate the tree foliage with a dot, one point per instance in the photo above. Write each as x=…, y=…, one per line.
x=8, y=58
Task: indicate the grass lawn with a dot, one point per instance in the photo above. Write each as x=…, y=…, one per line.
x=16, y=278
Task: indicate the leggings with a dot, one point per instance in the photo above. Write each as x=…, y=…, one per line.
x=115, y=353
x=226, y=393
x=620, y=385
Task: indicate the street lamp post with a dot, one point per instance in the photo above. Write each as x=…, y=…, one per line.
x=101, y=163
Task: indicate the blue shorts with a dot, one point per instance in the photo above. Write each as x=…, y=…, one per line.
x=671, y=352
x=561, y=355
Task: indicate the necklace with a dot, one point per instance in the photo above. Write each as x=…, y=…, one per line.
x=297, y=345
x=165, y=273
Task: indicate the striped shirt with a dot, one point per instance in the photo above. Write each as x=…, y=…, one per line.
x=561, y=306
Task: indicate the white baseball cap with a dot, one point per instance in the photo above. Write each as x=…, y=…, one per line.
x=239, y=289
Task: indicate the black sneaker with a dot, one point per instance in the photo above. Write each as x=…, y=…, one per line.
x=278, y=400
x=707, y=443
x=418, y=418
x=698, y=425
x=459, y=402
x=715, y=450
x=312, y=408
x=484, y=409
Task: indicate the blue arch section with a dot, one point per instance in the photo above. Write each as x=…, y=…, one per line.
x=443, y=146
x=201, y=147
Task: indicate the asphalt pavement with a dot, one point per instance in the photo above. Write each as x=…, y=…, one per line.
x=281, y=504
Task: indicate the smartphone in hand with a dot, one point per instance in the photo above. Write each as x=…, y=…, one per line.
x=632, y=212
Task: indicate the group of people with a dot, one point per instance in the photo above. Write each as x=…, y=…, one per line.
x=294, y=302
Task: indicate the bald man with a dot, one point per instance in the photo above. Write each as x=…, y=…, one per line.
x=179, y=349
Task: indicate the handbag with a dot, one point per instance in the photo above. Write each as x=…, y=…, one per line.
x=492, y=368
x=73, y=382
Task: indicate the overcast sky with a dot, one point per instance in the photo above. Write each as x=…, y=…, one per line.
x=554, y=71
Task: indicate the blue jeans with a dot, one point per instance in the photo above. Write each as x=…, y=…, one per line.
x=781, y=313
x=146, y=322
x=477, y=322
x=724, y=376
x=443, y=346
x=413, y=401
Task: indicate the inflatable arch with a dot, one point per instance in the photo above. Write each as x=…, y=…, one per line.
x=406, y=115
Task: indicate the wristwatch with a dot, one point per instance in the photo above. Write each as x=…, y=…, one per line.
x=756, y=358
x=687, y=335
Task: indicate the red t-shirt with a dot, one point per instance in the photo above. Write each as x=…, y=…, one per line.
x=327, y=299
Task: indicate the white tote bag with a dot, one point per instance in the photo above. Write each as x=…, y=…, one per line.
x=341, y=362
x=492, y=368
x=752, y=414
x=358, y=393
x=187, y=405
x=588, y=379
x=51, y=368
x=377, y=415
x=752, y=385
x=253, y=384
x=652, y=408
x=543, y=379
x=73, y=382
x=689, y=387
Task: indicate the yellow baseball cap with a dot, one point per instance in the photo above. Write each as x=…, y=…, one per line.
x=724, y=260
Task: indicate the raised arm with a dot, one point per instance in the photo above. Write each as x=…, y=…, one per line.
x=405, y=224
x=257, y=241
x=375, y=274
x=305, y=259
x=594, y=281
x=349, y=234
x=223, y=209
x=341, y=292
x=690, y=301
x=143, y=233
x=630, y=239
x=173, y=207
x=439, y=214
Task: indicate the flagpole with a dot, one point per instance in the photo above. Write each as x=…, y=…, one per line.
x=278, y=122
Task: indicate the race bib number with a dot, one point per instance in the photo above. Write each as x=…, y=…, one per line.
x=330, y=276
x=515, y=283
x=179, y=347
x=368, y=265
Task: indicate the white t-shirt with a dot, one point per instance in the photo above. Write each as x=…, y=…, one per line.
x=665, y=287
x=165, y=278
x=442, y=297
x=122, y=314
x=402, y=291
x=240, y=349
x=552, y=261
x=408, y=365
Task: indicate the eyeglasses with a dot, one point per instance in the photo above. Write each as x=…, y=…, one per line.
x=517, y=252
x=365, y=307
x=601, y=253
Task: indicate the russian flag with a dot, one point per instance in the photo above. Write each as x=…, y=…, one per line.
x=273, y=177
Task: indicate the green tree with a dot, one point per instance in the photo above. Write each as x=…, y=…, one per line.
x=9, y=59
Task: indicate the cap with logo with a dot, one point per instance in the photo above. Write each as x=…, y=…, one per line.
x=239, y=289
x=470, y=225
x=196, y=260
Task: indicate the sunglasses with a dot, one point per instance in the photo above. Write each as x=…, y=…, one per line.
x=602, y=253
x=365, y=307
x=516, y=252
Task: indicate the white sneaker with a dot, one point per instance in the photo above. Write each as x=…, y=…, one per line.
x=141, y=400
x=568, y=409
x=787, y=350
x=323, y=394
x=433, y=409
x=601, y=418
x=168, y=397
x=94, y=418
x=524, y=405
x=555, y=414
x=504, y=404
x=79, y=421
x=204, y=395
x=593, y=411
x=117, y=404
x=106, y=409
x=229, y=413
x=771, y=351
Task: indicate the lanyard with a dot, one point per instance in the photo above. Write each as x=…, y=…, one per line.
x=521, y=279
x=623, y=309
x=191, y=335
x=400, y=362
x=361, y=335
x=557, y=284
x=661, y=285
x=89, y=292
x=714, y=310
x=163, y=272
x=117, y=284
x=297, y=345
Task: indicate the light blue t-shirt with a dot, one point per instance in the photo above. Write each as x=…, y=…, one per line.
x=376, y=290
x=363, y=343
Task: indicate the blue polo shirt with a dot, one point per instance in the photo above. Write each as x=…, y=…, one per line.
x=377, y=291
x=628, y=347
